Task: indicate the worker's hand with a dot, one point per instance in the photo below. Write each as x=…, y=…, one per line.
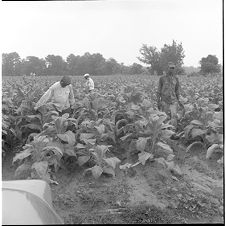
x=180, y=104
x=35, y=108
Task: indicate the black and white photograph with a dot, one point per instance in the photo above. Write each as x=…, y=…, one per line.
x=112, y=112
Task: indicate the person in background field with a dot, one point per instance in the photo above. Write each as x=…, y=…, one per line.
x=168, y=94
x=60, y=94
x=89, y=85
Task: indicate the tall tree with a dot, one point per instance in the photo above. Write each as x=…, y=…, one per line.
x=151, y=56
x=173, y=53
x=33, y=64
x=11, y=64
x=72, y=64
x=209, y=64
x=159, y=60
x=55, y=65
x=97, y=63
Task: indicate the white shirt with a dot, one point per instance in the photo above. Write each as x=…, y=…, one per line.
x=90, y=84
x=61, y=97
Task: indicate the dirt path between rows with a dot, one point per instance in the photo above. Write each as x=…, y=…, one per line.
x=146, y=194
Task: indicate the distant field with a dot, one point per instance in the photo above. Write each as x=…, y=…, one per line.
x=201, y=86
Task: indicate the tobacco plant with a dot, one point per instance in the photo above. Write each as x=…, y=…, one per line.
x=103, y=164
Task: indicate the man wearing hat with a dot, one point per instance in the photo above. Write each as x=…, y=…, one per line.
x=89, y=85
x=168, y=94
x=60, y=94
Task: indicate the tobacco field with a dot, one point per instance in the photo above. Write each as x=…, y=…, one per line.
x=113, y=160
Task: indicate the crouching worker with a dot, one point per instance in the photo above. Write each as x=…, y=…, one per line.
x=168, y=94
x=60, y=95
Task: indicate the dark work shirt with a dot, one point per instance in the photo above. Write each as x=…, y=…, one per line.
x=168, y=89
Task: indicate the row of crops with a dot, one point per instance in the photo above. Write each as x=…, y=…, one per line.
x=120, y=117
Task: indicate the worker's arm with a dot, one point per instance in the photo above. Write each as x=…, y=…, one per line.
x=88, y=84
x=159, y=90
x=45, y=98
x=177, y=89
x=71, y=96
x=159, y=93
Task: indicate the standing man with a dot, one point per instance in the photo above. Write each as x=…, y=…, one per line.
x=168, y=94
x=60, y=94
x=89, y=85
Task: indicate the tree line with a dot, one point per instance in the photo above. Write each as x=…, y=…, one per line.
x=96, y=64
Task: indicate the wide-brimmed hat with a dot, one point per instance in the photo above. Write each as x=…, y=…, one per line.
x=86, y=75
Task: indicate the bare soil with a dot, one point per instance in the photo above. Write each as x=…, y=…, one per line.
x=144, y=194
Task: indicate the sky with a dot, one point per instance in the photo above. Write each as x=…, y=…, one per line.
x=114, y=28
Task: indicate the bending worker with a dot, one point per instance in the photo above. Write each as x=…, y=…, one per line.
x=60, y=94
x=89, y=85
